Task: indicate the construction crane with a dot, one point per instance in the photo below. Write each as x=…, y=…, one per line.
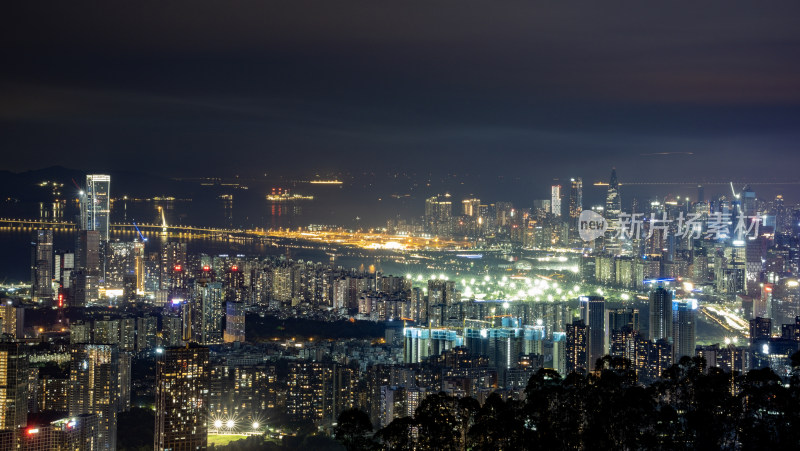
x=464, y=325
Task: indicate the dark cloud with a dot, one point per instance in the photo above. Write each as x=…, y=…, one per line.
x=531, y=88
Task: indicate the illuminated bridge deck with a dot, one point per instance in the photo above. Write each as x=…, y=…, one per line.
x=341, y=237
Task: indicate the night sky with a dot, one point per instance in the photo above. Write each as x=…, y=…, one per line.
x=681, y=90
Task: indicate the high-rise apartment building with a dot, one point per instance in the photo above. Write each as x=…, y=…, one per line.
x=577, y=337
x=207, y=313
x=182, y=398
x=310, y=390
x=94, y=388
x=234, y=322
x=12, y=318
x=555, y=200
x=622, y=325
x=146, y=329
x=173, y=255
x=13, y=386
x=171, y=330
x=471, y=207
x=125, y=259
x=439, y=215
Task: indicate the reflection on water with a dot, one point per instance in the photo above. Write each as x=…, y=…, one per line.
x=228, y=207
x=52, y=210
x=207, y=208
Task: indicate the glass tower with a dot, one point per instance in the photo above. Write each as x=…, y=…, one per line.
x=96, y=204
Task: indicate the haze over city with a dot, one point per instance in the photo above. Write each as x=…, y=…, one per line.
x=438, y=225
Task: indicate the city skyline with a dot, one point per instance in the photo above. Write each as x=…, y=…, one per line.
x=417, y=225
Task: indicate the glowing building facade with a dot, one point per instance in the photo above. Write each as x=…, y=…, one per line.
x=182, y=398
x=96, y=205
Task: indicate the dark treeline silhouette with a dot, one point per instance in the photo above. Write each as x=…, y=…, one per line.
x=689, y=407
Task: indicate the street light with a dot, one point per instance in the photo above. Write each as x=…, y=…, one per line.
x=255, y=425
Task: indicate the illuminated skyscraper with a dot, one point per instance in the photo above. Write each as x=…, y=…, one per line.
x=611, y=213
x=503, y=212
x=576, y=347
x=442, y=292
x=13, y=385
x=660, y=314
x=416, y=344
x=684, y=328
x=575, y=206
x=42, y=267
x=171, y=330
x=12, y=319
x=234, y=284
x=207, y=313
x=79, y=432
x=125, y=259
x=622, y=325
x=555, y=200
x=310, y=391
x=94, y=388
x=173, y=255
x=96, y=204
x=182, y=398
x=146, y=328
x=471, y=207
x=593, y=314
x=234, y=322
x=439, y=215
x=575, y=198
